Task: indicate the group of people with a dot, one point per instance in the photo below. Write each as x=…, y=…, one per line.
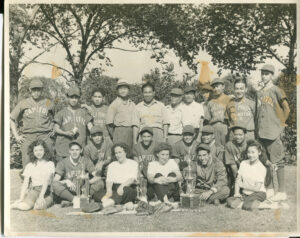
x=231, y=144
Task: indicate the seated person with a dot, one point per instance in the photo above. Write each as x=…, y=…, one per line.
x=40, y=170
x=98, y=150
x=64, y=184
x=164, y=175
x=211, y=179
x=250, y=180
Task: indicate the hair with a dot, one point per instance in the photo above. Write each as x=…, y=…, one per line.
x=97, y=90
x=240, y=80
x=148, y=84
x=47, y=155
x=162, y=146
x=124, y=146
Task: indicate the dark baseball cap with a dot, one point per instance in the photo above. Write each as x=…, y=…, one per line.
x=217, y=80
x=188, y=129
x=189, y=89
x=36, y=83
x=269, y=68
x=232, y=128
x=96, y=129
x=203, y=146
x=176, y=91
x=208, y=129
x=147, y=129
x=73, y=90
x=75, y=142
x=206, y=87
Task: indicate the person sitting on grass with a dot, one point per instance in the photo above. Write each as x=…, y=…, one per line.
x=250, y=180
x=38, y=175
x=64, y=184
x=164, y=175
x=211, y=177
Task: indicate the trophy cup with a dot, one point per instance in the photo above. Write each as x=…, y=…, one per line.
x=189, y=199
x=142, y=181
x=82, y=189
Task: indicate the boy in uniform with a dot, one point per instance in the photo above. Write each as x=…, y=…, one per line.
x=272, y=113
x=36, y=113
x=118, y=118
x=71, y=123
x=241, y=110
x=216, y=111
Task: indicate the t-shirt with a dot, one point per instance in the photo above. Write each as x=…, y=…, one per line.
x=119, y=173
x=192, y=114
x=36, y=116
x=67, y=119
x=252, y=174
x=155, y=167
x=68, y=170
x=234, y=153
x=270, y=119
x=99, y=117
x=175, y=118
x=216, y=108
x=241, y=112
x=40, y=172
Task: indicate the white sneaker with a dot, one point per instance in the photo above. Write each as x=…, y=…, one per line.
x=280, y=196
x=268, y=205
x=270, y=193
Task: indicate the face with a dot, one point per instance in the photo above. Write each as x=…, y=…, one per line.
x=203, y=157
x=39, y=151
x=120, y=154
x=239, y=136
x=205, y=94
x=148, y=94
x=146, y=138
x=266, y=76
x=123, y=91
x=240, y=90
x=218, y=88
x=163, y=156
x=189, y=97
x=36, y=93
x=97, y=138
x=97, y=98
x=253, y=153
x=175, y=99
x=75, y=151
x=73, y=100
x=207, y=138
x=188, y=138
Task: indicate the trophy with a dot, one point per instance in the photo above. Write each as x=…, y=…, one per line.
x=82, y=189
x=142, y=181
x=189, y=199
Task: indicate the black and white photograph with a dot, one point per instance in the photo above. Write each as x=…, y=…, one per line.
x=150, y=118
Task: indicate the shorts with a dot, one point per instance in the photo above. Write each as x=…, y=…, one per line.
x=275, y=150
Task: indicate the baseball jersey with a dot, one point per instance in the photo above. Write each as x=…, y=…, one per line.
x=36, y=116
x=217, y=151
x=67, y=169
x=235, y=153
x=241, y=112
x=180, y=149
x=67, y=119
x=119, y=112
x=175, y=119
x=216, y=108
x=270, y=122
x=155, y=167
x=119, y=173
x=99, y=117
x=94, y=154
x=192, y=114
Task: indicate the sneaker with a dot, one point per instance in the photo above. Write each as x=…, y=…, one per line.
x=267, y=204
x=270, y=193
x=91, y=207
x=280, y=196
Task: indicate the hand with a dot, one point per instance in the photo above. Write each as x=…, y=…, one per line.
x=69, y=133
x=120, y=190
x=20, y=138
x=51, y=133
x=70, y=185
x=86, y=107
x=206, y=195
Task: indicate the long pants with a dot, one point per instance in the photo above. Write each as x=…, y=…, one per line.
x=123, y=134
x=220, y=131
x=63, y=192
x=221, y=194
x=171, y=189
x=28, y=139
x=250, y=202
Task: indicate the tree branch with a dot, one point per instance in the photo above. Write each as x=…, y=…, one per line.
x=117, y=48
x=42, y=63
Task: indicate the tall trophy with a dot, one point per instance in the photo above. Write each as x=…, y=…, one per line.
x=82, y=189
x=189, y=199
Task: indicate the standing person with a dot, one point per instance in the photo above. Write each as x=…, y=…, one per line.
x=241, y=110
x=192, y=112
x=206, y=91
x=211, y=179
x=36, y=113
x=272, y=113
x=175, y=115
x=150, y=113
x=118, y=119
x=98, y=110
x=71, y=123
x=216, y=110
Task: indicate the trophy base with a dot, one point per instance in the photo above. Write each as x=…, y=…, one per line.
x=79, y=202
x=190, y=200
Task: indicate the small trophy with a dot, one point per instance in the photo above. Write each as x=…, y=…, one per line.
x=82, y=190
x=189, y=199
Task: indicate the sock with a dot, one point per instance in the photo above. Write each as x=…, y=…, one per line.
x=280, y=179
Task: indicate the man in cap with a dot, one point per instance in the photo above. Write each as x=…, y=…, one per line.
x=67, y=170
x=36, y=112
x=192, y=112
x=272, y=113
x=175, y=116
x=119, y=115
x=71, y=123
x=216, y=110
x=150, y=113
x=211, y=179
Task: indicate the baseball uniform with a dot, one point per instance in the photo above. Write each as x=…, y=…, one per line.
x=175, y=115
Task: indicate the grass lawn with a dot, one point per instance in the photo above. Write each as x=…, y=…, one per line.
x=210, y=219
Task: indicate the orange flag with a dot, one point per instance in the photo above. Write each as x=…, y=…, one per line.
x=56, y=72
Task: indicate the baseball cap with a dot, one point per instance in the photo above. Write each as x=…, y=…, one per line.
x=208, y=129
x=269, y=68
x=188, y=129
x=238, y=127
x=73, y=90
x=206, y=87
x=122, y=82
x=96, y=129
x=189, y=89
x=75, y=142
x=148, y=129
x=36, y=83
x=176, y=91
x=217, y=80
x=203, y=146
